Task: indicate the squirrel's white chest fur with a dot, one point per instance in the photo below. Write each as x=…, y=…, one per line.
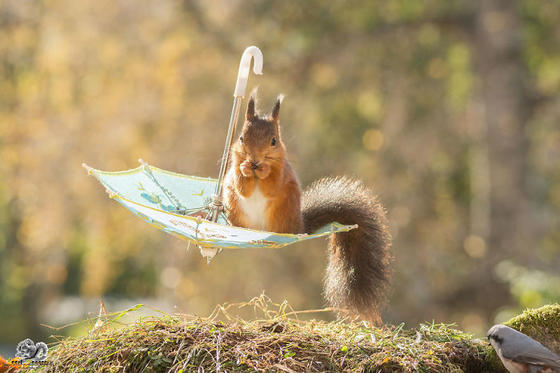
x=254, y=208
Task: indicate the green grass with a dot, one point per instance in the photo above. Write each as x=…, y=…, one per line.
x=277, y=340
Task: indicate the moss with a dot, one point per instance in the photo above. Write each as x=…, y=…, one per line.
x=542, y=324
x=494, y=362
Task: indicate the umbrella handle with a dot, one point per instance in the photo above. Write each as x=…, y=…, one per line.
x=250, y=53
x=255, y=54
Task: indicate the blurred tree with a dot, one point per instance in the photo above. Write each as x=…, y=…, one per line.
x=448, y=108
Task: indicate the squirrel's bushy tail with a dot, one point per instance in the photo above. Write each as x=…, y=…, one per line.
x=358, y=271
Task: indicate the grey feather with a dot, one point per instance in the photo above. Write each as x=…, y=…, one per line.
x=521, y=348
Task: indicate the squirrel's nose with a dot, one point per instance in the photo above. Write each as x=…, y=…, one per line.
x=254, y=165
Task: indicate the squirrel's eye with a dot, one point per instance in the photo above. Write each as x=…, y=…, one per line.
x=241, y=139
x=273, y=141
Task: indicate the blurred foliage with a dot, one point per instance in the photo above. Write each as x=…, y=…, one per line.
x=389, y=91
x=531, y=288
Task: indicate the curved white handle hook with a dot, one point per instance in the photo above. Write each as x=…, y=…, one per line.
x=251, y=52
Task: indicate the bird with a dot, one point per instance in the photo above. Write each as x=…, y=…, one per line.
x=520, y=353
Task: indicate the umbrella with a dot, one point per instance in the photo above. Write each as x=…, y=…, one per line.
x=190, y=207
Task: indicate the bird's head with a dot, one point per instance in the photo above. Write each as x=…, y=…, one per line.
x=496, y=335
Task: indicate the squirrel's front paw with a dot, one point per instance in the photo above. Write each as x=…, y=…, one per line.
x=246, y=169
x=263, y=171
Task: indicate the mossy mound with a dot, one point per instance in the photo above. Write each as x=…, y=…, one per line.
x=175, y=344
x=542, y=324
x=279, y=342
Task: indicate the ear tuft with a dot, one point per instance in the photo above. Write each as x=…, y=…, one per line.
x=250, y=114
x=254, y=92
x=276, y=109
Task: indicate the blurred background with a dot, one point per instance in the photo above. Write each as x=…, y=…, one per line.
x=448, y=109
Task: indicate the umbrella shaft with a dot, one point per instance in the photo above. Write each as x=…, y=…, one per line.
x=225, y=157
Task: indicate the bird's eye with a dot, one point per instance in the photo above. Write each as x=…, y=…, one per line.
x=273, y=141
x=494, y=337
x=241, y=139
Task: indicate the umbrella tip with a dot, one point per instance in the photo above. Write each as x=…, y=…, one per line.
x=208, y=252
x=142, y=162
x=88, y=168
x=110, y=193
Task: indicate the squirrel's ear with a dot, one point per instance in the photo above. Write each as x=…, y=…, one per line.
x=250, y=114
x=276, y=108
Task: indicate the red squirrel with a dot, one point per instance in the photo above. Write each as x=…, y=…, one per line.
x=261, y=191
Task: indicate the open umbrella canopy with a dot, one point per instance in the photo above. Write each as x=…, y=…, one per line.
x=166, y=200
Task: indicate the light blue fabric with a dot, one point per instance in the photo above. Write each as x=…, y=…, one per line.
x=158, y=197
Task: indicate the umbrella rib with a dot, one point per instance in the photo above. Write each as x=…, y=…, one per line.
x=170, y=196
